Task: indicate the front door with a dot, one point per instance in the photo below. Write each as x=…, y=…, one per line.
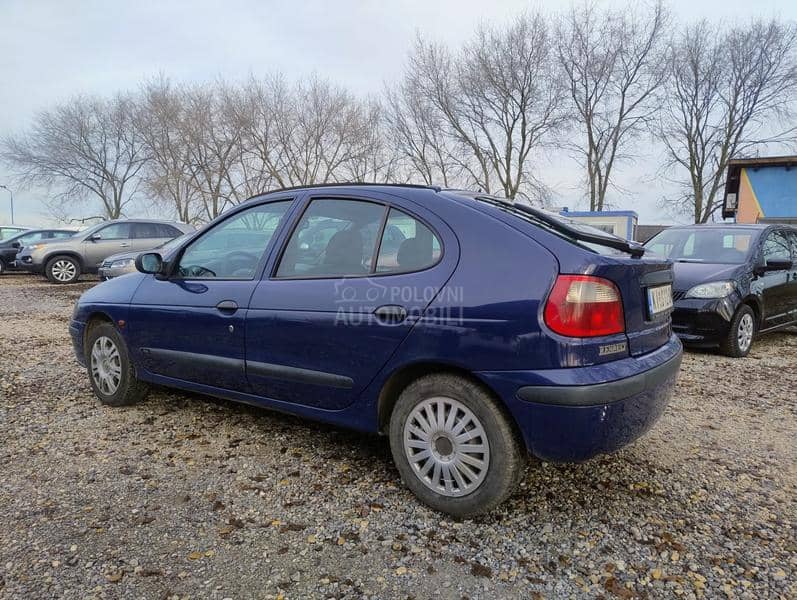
x=190, y=326
x=354, y=277
x=776, y=284
x=109, y=240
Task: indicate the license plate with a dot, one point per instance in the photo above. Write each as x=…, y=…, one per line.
x=659, y=299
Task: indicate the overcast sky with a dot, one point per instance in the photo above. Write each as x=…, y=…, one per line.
x=51, y=50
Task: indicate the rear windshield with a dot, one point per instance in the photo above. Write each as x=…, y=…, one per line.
x=715, y=245
x=567, y=223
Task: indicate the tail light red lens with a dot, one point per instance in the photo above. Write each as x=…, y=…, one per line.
x=584, y=306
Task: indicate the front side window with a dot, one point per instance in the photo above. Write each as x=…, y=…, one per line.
x=407, y=245
x=117, y=231
x=793, y=236
x=234, y=248
x=777, y=247
x=334, y=238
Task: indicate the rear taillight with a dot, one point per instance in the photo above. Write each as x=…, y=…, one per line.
x=584, y=306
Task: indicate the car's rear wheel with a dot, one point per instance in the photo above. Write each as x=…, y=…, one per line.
x=454, y=445
x=112, y=375
x=741, y=333
x=62, y=269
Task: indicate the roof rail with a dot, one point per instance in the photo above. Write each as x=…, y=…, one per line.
x=348, y=184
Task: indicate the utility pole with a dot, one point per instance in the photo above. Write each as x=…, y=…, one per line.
x=8, y=189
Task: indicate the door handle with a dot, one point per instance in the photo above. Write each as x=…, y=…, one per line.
x=391, y=313
x=124, y=245
x=227, y=307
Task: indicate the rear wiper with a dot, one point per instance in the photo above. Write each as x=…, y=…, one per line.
x=632, y=248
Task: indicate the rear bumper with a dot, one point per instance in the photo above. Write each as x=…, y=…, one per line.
x=700, y=322
x=570, y=415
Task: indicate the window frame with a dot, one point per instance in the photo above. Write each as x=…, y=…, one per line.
x=267, y=251
x=387, y=206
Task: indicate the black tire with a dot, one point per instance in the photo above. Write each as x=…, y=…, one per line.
x=735, y=344
x=2, y=266
x=129, y=389
x=507, y=457
x=62, y=269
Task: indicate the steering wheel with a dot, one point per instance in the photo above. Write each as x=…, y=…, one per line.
x=196, y=271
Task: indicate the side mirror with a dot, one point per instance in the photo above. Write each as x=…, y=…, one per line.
x=776, y=264
x=96, y=237
x=16, y=245
x=151, y=263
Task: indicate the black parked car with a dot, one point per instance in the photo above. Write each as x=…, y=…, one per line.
x=12, y=245
x=732, y=282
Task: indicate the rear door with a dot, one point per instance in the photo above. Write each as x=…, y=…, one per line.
x=112, y=239
x=354, y=276
x=145, y=236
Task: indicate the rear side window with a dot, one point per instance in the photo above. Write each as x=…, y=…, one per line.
x=146, y=231
x=334, y=238
x=406, y=245
x=168, y=231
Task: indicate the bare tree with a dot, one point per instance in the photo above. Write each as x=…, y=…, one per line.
x=613, y=64
x=212, y=130
x=84, y=148
x=311, y=132
x=499, y=98
x=167, y=177
x=417, y=130
x=731, y=92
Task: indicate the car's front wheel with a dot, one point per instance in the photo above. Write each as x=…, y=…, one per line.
x=112, y=375
x=454, y=445
x=740, y=333
x=2, y=266
x=62, y=269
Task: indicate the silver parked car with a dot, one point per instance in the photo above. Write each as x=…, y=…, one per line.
x=125, y=262
x=63, y=261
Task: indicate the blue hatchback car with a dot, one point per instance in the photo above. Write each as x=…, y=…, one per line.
x=470, y=330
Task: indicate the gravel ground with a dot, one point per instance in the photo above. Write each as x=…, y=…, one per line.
x=186, y=496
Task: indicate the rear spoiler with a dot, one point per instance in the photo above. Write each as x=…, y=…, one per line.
x=633, y=248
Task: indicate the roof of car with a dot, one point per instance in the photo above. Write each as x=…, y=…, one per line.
x=724, y=226
x=363, y=184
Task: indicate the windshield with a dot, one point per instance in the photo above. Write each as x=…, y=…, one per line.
x=710, y=245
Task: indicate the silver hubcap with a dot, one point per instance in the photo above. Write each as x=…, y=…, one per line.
x=64, y=270
x=446, y=446
x=744, y=334
x=106, y=365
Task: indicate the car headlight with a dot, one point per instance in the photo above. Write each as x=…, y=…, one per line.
x=714, y=289
x=123, y=263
